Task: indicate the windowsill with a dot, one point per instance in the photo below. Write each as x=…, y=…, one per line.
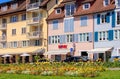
x=103, y=23
x=103, y=40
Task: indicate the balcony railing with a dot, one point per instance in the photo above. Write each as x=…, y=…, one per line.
x=2, y=38
x=34, y=20
x=3, y=26
x=35, y=35
x=33, y=6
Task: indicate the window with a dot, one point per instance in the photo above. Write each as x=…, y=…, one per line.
x=55, y=39
x=118, y=3
x=4, y=45
x=70, y=8
x=24, y=30
x=102, y=36
x=84, y=37
x=116, y=34
x=14, y=19
x=55, y=24
x=103, y=18
x=25, y=43
x=14, y=6
x=106, y=2
x=56, y=1
x=86, y=6
x=83, y=21
x=70, y=38
x=13, y=31
x=58, y=11
x=14, y=44
x=118, y=18
x=23, y=17
x=4, y=8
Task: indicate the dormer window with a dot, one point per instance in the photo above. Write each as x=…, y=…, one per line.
x=86, y=6
x=69, y=8
x=4, y=8
x=106, y=2
x=58, y=11
x=117, y=3
x=14, y=6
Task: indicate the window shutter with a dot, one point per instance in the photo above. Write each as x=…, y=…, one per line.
x=75, y=37
x=98, y=19
x=110, y=36
x=64, y=38
x=49, y=40
x=113, y=19
x=71, y=25
x=61, y=40
x=83, y=21
x=108, y=17
x=55, y=25
x=96, y=37
x=90, y=37
x=65, y=25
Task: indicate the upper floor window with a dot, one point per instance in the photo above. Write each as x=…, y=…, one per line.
x=14, y=44
x=25, y=43
x=116, y=34
x=58, y=11
x=14, y=6
x=55, y=24
x=118, y=18
x=23, y=30
x=106, y=2
x=56, y=1
x=70, y=8
x=4, y=8
x=118, y=3
x=102, y=36
x=84, y=37
x=103, y=18
x=83, y=21
x=23, y=17
x=13, y=18
x=70, y=38
x=13, y=31
x=86, y=6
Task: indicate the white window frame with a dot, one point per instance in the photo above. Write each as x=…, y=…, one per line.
x=117, y=33
x=4, y=8
x=23, y=30
x=83, y=37
x=104, y=3
x=25, y=43
x=116, y=2
x=102, y=36
x=55, y=40
x=103, y=14
x=69, y=38
x=57, y=12
x=84, y=6
x=14, y=5
x=116, y=18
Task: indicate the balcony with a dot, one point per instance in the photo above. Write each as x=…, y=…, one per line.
x=34, y=20
x=3, y=26
x=3, y=39
x=35, y=35
x=33, y=6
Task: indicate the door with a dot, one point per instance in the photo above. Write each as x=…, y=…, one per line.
x=57, y=57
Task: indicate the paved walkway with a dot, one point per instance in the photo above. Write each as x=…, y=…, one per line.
x=113, y=68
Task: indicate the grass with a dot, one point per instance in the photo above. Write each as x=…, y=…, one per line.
x=103, y=75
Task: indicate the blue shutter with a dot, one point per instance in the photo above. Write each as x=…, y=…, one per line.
x=71, y=22
x=113, y=19
x=75, y=37
x=55, y=24
x=96, y=37
x=110, y=35
x=64, y=38
x=65, y=25
x=108, y=17
x=49, y=39
x=61, y=40
x=90, y=37
x=98, y=19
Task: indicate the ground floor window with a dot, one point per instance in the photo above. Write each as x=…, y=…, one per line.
x=84, y=53
x=57, y=57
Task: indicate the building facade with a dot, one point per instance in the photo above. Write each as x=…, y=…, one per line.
x=23, y=29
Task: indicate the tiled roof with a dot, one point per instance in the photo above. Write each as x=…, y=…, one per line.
x=96, y=6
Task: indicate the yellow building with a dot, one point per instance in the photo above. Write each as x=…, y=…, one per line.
x=23, y=29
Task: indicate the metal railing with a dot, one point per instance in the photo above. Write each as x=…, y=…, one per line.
x=35, y=20
x=35, y=34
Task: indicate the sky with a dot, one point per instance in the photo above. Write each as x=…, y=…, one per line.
x=2, y=1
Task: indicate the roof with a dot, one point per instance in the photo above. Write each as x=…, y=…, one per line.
x=21, y=7
x=96, y=7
